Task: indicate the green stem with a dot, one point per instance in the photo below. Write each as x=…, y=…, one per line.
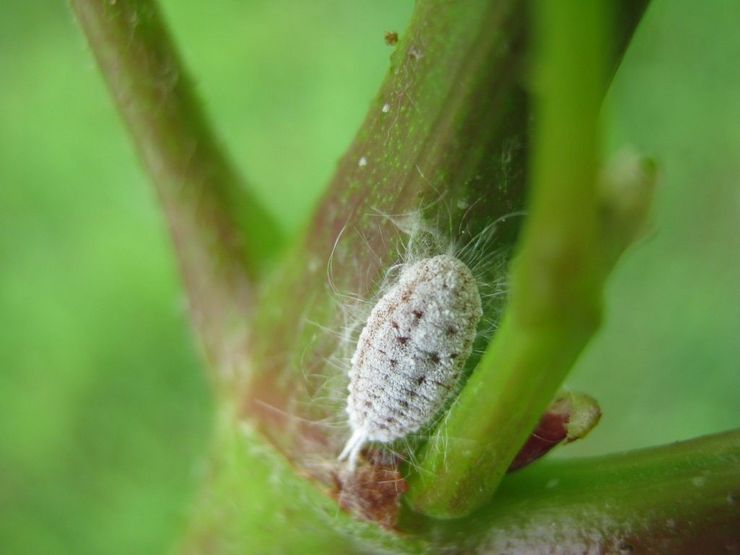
x=221, y=234
x=682, y=498
x=678, y=498
x=556, y=281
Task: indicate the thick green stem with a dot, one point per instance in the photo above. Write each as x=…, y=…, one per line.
x=556, y=281
x=221, y=235
x=682, y=498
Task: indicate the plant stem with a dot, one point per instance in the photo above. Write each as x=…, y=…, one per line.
x=221, y=235
x=682, y=498
x=556, y=281
x=678, y=498
x=448, y=136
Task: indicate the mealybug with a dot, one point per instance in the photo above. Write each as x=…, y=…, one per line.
x=411, y=352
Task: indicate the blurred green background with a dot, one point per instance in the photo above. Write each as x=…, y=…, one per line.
x=104, y=410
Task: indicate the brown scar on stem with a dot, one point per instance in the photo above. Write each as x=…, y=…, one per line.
x=374, y=490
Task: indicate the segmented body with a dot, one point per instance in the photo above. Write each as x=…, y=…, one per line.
x=411, y=352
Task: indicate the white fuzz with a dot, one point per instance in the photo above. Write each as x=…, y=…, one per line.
x=411, y=352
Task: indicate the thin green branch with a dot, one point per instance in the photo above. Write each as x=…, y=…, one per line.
x=567, y=250
x=525, y=363
x=221, y=234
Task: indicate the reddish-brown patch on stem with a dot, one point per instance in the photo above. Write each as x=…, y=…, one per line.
x=373, y=490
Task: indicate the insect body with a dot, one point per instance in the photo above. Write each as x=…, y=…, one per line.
x=411, y=352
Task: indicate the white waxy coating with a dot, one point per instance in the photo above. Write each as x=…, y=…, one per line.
x=411, y=352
